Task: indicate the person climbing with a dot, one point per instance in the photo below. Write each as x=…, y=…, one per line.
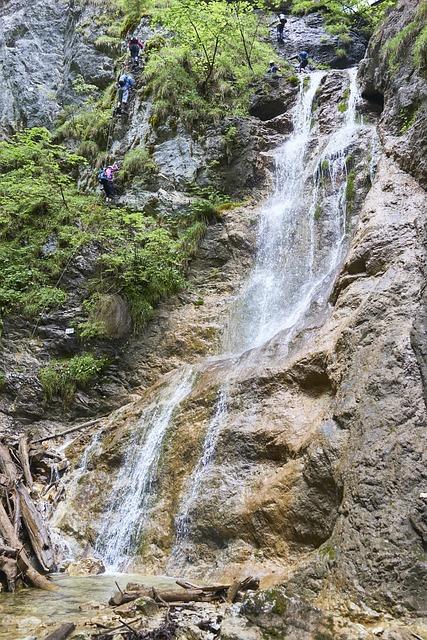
x=273, y=69
x=135, y=47
x=279, y=23
x=302, y=58
x=124, y=85
x=106, y=180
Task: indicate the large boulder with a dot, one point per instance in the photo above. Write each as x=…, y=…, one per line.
x=86, y=567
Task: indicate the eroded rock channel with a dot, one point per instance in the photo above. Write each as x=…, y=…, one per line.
x=269, y=419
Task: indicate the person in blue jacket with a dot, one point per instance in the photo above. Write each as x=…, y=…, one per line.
x=302, y=58
x=125, y=84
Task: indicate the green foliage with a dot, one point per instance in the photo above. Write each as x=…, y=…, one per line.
x=341, y=17
x=37, y=199
x=83, y=88
x=3, y=380
x=63, y=377
x=420, y=50
x=87, y=125
x=145, y=269
x=110, y=45
x=138, y=162
x=318, y=211
x=40, y=206
x=350, y=190
x=407, y=118
x=205, y=70
x=342, y=107
x=395, y=45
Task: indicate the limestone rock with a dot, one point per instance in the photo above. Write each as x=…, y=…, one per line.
x=86, y=567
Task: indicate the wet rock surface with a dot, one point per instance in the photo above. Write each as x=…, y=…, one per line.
x=394, y=86
x=307, y=33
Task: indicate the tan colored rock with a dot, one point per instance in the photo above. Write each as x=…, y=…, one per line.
x=86, y=567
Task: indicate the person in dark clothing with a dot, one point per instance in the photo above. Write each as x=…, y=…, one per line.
x=135, y=47
x=302, y=58
x=279, y=23
x=273, y=69
x=125, y=84
x=106, y=180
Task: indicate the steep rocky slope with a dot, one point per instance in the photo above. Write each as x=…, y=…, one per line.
x=318, y=468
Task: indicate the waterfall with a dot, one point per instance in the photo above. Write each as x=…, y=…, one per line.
x=123, y=521
x=290, y=272
x=298, y=253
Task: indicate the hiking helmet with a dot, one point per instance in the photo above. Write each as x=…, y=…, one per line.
x=282, y=16
x=271, y=63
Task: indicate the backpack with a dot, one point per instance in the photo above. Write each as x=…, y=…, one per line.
x=303, y=55
x=101, y=175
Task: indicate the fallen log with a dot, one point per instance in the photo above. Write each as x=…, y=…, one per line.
x=7, y=466
x=8, y=533
x=25, y=461
x=52, y=436
x=36, y=529
x=164, y=596
x=9, y=567
x=189, y=585
x=62, y=632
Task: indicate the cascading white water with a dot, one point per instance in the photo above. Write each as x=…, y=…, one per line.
x=282, y=262
x=290, y=273
x=119, y=535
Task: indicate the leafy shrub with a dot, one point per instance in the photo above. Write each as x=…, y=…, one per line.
x=138, y=162
x=63, y=377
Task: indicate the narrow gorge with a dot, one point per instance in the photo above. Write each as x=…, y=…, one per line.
x=220, y=376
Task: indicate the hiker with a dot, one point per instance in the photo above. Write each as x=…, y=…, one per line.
x=106, y=180
x=124, y=84
x=302, y=58
x=135, y=47
x=273, y=69
x=279, y=23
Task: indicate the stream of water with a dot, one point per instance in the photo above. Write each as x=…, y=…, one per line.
x=122, y=523
x=292, y=272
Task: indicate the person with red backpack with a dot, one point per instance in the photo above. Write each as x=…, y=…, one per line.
x=135, y=47
x=106, y=180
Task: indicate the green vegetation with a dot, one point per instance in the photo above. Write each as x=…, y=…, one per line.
x=138, y=162
x=350, y=190
x=342, y=107
x=407, y=117
x=63, y=377
x=2, y=380
x=318, y=211
x=420, y=50
x=205, y=70
x=412, y=38
x=45, y=222
x=341, y=17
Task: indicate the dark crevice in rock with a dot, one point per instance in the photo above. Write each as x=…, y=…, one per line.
x=374, y=101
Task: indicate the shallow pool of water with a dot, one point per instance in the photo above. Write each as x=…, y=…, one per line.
x=22, y=613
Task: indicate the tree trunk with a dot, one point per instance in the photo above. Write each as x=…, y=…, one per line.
x=7, y=465
x=36, y=529
x=7, y=531
x=62, y=632
x=25, y=462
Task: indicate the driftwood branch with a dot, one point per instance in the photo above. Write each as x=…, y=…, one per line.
x=189, y=593
x=64, y=433
x=36, y=529
x=62, y=632
x=25, y=461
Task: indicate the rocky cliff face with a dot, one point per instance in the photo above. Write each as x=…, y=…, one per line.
x=48, y=59
x=318, y=470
